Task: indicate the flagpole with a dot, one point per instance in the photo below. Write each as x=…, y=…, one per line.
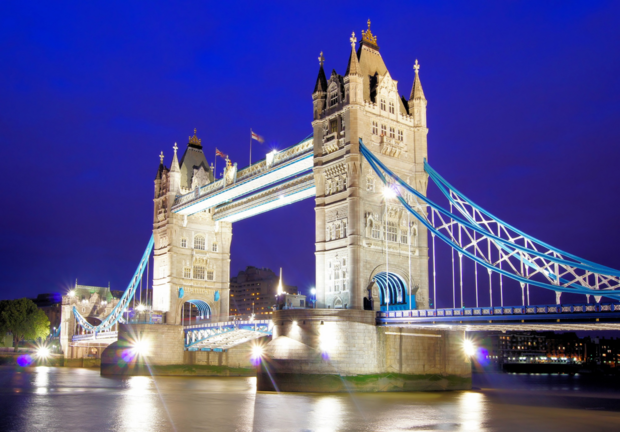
x=250, y=146
x=215, y=167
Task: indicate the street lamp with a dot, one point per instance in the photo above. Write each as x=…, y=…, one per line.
x=313, y=292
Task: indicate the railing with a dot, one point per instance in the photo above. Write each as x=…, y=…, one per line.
x=483, y=312
x=96, y=336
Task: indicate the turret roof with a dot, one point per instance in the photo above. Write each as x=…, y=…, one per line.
x=193, y=157
x=416, y=90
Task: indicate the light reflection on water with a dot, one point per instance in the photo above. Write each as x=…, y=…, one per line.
x=63, y=399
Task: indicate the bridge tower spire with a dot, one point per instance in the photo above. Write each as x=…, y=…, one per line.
x=353, y=219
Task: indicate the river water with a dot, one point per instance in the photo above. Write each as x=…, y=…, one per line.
x=65, y=399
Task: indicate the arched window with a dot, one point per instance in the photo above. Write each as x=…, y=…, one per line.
x=199, y=242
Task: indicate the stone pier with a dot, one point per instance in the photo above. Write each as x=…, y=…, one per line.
x=327, y=350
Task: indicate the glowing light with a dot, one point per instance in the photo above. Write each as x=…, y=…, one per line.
x=71, y=294
x=469, y=348
x=257, y=351
x=388, y=192
x=140, y=347
x=140, y=307
x=294, y=323
x=313, y=291
x=43, y=352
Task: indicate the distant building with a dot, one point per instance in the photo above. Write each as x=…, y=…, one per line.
x=50, y=304
x=565, y=346
x=602, y=351
x=255, y=289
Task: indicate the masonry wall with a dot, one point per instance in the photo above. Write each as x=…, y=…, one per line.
x=165, y=342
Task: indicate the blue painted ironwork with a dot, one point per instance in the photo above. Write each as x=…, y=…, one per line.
x=397, y=288
x=123, y=303
x=197, y=333
x=203, y=307
x=555, y=271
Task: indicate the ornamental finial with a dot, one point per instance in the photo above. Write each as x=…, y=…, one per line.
x=175, y=148
x=321, y=59
x=368, y=37
x=368, y=23
x=161, y=158
x=195, y=140
x=416, y=66
x=353, y=40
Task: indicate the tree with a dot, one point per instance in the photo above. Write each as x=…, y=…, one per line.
x=23, y=320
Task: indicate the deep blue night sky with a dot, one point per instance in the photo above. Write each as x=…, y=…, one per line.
x=523, y=109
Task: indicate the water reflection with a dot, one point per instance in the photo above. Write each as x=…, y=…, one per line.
x=139, y=405
x=472, y=410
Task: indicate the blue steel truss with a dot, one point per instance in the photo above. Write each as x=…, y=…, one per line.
x=397, y=289
x=508, y=251
x=123, y=303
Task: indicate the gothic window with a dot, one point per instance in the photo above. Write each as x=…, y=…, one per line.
x=400, y=135
x=199, y=272
x=330, y=277
x=187, y=272
x=328, y=187
x=383, y=130
x=333, y=126
x=338, y=231
x=391, y=132
x=375, y=128
x=340, y=184
x=391, y=107
x=210, y=275
x=342, y=125
x=392, y=232
x=370, y=184
x=333, y=100
x=183, y=242
x=199, y=242
x=337, y=276
x=404, y=238
x=344, y=228
x=333, y=231
x=214, y=247
x=382, y=104
x=376, y=230
x=328, y=232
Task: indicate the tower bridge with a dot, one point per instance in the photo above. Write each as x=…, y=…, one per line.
x=366, y=165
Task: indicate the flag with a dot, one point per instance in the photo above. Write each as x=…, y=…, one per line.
x=258, y=138
x=220, y=154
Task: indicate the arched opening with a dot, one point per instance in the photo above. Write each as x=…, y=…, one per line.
x=195, y=311
x=393, y=288
x=338, y=303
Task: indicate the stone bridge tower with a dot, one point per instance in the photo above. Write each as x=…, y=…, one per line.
x=191, y=253
x=351, y=210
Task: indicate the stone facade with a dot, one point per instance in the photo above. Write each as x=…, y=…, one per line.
x=343, y=350
x=191, y=253
x=351, y=211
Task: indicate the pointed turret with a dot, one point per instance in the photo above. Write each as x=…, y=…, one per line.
x=353, y=67
x=175, y=173
x=319, y=95
x=416, y=91
x=321, y=80
x=417, y=101
x=161, y=168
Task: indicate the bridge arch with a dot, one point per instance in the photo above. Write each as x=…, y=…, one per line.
x=204, y=308
x=393, y=287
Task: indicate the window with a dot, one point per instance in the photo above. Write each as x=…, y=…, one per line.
x=210, y=275
x=330, y=277
x=392, y=232
x=391, y=132
x=187, y=272
x=382, y=104
x=199, y=242
x=333, y=126
x=301, y=303
x=383, y=130
x=342, y=124
x=391, y=107
x=338, y=231
x=404, y=238
x=340, y=184
x=344, y=228
x=375, y=128
x=400, y=135
x=199, y=272
x=370, y=184
x=333, y=100
x=376, y=233
x=183, y=242
x=328, y=187
x=328, y=233
x=214, y=247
